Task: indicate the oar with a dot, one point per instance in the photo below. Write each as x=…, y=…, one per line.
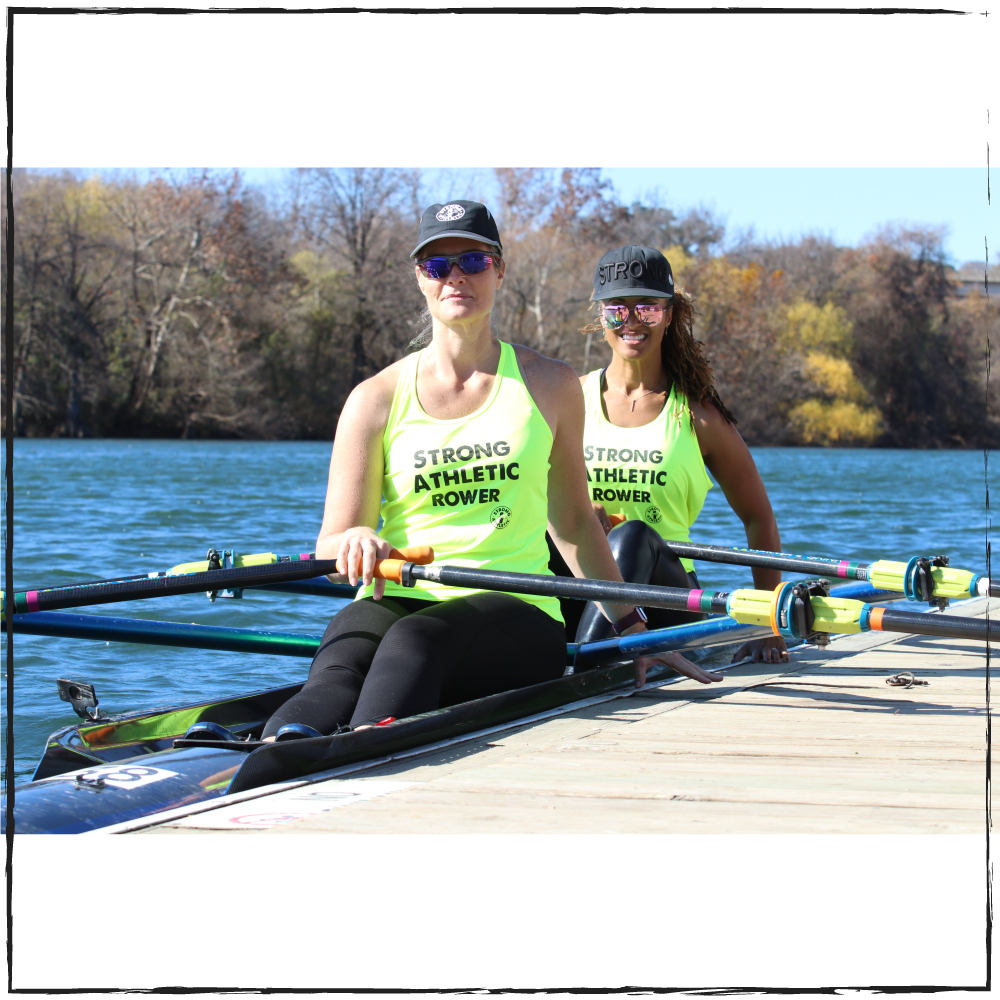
x=192, y=583
x=320, y=585
x=711, y=632
x=923, y=578
x=796, y=611
x=154, y=633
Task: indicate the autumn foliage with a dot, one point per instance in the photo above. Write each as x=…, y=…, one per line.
x=200, y=307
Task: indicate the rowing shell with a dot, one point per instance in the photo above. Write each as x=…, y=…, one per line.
x=137, y=765
x=111, y=770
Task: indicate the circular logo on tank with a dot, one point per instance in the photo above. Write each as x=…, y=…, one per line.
x=500, y=516
x=653, y=515
x=450, y=213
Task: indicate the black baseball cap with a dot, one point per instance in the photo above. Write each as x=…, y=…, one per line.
x=458, y=218
x=631, y=271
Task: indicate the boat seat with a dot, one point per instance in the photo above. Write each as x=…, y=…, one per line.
x=210, y=731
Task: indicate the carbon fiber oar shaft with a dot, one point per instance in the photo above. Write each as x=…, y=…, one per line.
x=919, y=579
x=642, y=594
x=146, y=632
x=171, y=586
x=945, y=626
x=818, y=565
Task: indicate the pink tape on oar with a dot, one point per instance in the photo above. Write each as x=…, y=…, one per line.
x=842, y=567
x=305, y=555
x=694, y=600
x=31, y=599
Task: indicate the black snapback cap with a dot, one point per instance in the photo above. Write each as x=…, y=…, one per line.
x=458, y=218
x=631, y=271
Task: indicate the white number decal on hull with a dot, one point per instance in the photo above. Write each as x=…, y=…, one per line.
x=125, y=777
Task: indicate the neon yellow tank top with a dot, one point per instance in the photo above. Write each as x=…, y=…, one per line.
x=654, y=473
x=475, y=488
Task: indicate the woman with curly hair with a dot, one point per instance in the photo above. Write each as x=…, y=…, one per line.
x=654, y=425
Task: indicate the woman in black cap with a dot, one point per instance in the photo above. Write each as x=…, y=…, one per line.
x=469, y=445
x=654, y=423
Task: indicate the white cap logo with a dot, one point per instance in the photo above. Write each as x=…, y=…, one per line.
x=450, y=213
x=670, y=278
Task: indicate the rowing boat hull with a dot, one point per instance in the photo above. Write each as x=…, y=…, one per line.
x=134, y=735
x=91, y=798
x=192, y=772
x=99, y=774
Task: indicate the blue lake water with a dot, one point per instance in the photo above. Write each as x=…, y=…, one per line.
x=103, y=508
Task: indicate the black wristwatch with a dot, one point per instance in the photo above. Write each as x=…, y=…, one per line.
x=636, y=615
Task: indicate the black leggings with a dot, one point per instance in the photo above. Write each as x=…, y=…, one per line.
x=642, y=557
x=402, y=655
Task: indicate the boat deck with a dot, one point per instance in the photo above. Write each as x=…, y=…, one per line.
x=819, y=745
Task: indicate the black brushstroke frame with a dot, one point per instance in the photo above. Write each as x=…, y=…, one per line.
x=8, y=342
x=8, y=350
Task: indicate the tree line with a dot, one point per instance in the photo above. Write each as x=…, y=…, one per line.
x=202, y=306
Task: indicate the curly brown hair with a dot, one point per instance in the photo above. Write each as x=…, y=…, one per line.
x=684, y=360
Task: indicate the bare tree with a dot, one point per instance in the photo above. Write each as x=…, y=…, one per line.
x=554, y=230
x=363, y=218
x=654, y=225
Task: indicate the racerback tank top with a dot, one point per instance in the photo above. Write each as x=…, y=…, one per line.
x=654, y=473
x=475, y=488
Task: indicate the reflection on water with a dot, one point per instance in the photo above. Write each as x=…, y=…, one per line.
x=91, y=509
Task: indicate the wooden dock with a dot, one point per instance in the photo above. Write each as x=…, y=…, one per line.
x=819, y=745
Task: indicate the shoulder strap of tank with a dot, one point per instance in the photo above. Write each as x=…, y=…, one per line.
x=679, y=402
x=508, y=365
x=592, y=390
x=406, y=391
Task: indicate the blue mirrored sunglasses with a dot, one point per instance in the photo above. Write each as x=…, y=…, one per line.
x=470, y=262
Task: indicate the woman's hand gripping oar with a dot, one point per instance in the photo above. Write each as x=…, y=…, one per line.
x=363, y=559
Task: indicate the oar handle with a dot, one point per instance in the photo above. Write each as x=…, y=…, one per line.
x=392, y=567
x=422, y=555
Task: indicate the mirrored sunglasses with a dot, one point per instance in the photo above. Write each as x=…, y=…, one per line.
x=615, y=316
x=470, y=262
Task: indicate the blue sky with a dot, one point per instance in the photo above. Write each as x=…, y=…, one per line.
x=846, y=204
